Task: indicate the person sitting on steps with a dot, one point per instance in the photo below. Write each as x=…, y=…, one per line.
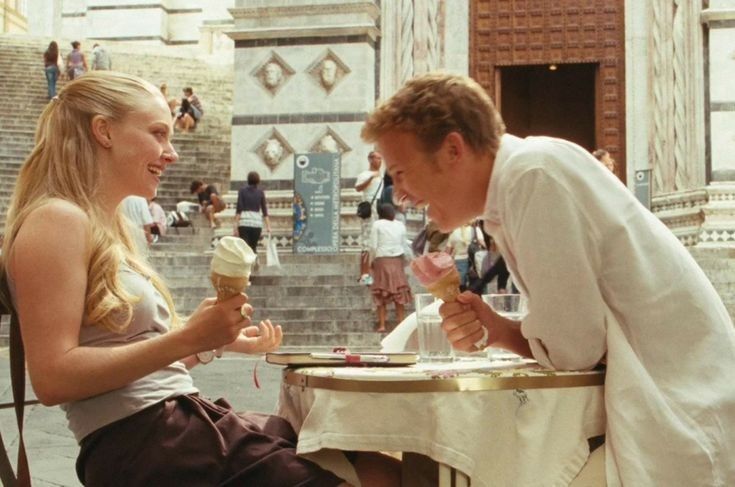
x=190, y=111
x=210, y=202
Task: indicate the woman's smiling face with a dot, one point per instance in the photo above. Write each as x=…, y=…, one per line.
x=140, y=149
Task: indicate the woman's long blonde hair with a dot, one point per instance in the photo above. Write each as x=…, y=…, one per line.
x=62, y=165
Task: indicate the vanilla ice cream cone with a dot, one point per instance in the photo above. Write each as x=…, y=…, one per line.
x=446, y=288
x=231, y=265
x=227, y=286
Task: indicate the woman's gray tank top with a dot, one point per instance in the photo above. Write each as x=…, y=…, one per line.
x=151, y=318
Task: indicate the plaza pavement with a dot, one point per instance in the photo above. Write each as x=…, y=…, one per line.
x=51, y=447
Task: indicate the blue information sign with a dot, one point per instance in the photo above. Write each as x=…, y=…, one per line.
x=316, y=203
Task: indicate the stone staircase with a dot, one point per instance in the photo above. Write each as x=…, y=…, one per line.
x=204, y=154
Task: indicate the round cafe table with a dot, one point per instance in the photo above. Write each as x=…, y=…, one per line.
x=500, y=422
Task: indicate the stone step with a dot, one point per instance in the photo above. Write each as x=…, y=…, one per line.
x=325, y=302
x=314, y=313
x=326, y=326
x=197, y=281
x=291, y=263
x=314, y=280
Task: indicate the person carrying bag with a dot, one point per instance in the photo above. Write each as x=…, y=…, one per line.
x=365, y=208
x=271, y=252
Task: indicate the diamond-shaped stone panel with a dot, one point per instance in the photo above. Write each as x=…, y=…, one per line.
x=330, y=141
x=273, y=73
x=328, y=71
x=273, y=149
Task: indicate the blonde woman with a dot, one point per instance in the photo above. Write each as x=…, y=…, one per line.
x=98, y=324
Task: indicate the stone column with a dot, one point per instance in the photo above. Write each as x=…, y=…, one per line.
x=676, y=123
x=418, y=36
x=718, y=229
x=426, y=45
x=637, y=87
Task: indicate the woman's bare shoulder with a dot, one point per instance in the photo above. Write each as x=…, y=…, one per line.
x=56, y=211
x=55, y=221
x=53, y=236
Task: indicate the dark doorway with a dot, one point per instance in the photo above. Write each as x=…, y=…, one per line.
x=556, y=100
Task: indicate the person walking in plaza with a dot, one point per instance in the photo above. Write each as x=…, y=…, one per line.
x=251, y=212
x=210, y=202
x=100, y=58
x=51, y=67
x=606, y=281
x=369, y=183
x=101, y=335
x=390, y=285
x=76, y=62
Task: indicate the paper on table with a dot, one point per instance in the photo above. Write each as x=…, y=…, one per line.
x=404, y=336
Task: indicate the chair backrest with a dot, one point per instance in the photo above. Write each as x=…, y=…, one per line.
x=17, y=377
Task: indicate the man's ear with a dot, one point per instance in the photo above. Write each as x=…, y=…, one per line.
x=101, y=131
x=453, y=148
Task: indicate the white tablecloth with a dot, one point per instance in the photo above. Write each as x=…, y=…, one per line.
x=531, y=437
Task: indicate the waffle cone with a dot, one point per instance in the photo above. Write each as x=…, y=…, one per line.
x=446, y=288
x=227, y=286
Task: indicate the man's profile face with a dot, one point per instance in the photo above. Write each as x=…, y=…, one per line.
x=420, y=180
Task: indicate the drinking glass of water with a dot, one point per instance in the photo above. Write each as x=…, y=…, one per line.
x=433, y=343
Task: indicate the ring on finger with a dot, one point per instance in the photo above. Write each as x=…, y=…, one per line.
x=482, y=342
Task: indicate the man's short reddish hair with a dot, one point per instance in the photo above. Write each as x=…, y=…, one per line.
x=433, y=105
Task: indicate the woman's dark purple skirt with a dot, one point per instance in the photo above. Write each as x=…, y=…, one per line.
x=190, y=441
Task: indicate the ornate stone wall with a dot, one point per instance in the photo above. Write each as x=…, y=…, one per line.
x=692, y=115
x=676, y=117
x=304, y=81
x=418, y=36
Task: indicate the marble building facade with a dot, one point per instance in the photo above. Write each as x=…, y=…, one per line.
x=681, y=113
